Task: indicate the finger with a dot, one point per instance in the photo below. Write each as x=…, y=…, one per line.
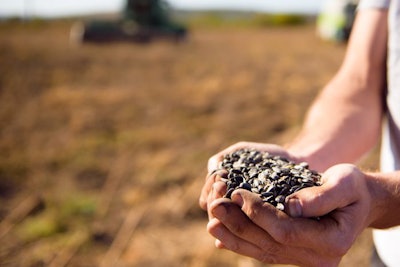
x=338, y=190
x=210, y=180
x=217, y=192
x=214, y=162
x=205, y=191
x=241, y=226
x=296, y=232
x=267, y=252
x=227, y=240
x=235, y=231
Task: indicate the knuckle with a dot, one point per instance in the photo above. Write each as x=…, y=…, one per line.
x=255, y=211
x=239, y=228
x=214, y=227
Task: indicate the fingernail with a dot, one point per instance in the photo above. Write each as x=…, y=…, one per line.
x=294, y=207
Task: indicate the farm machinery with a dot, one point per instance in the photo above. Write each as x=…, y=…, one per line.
x=141, y=21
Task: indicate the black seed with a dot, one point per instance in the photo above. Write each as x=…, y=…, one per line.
x=229, y=193
x=245, y=186
x=272, y=177
x=280, y=199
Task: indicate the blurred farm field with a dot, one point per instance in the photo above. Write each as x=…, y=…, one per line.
x=103, y=148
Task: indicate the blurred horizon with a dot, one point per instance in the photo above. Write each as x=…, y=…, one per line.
x=58, y=8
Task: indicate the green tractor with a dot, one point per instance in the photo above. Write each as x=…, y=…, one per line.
x=142, y=21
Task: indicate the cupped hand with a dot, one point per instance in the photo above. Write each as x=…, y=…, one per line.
x=248, y=226
x=213, y=187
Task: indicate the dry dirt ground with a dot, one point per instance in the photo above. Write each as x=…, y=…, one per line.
x=103, y=148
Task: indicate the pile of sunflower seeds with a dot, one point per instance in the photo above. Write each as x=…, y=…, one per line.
x=272, y=177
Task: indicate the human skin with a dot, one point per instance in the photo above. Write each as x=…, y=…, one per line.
x=349, y=200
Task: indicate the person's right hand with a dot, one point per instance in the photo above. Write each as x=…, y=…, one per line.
x=246, y=225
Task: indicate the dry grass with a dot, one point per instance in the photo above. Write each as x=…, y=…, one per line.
x=115, y=138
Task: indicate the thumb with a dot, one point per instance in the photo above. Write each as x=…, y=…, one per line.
x=337, y=191
x=308, y=202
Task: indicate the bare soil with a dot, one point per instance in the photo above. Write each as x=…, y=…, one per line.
x=103, y=148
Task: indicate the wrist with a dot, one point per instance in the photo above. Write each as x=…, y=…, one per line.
x=385, y=199
x=377, y=199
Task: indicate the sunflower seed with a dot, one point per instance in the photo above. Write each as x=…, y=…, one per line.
x=272, y=177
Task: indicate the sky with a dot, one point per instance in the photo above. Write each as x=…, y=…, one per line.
x=65, y=8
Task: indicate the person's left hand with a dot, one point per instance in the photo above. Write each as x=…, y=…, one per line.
x=248, y=226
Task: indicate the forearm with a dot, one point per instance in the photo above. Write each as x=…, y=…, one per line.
x=344, y=121
x=341, y=126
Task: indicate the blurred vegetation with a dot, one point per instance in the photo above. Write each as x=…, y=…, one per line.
x=207, y=19
x=213, y=19
x=264, y=20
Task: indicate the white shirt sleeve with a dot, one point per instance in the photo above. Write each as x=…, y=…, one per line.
x=381, y=4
